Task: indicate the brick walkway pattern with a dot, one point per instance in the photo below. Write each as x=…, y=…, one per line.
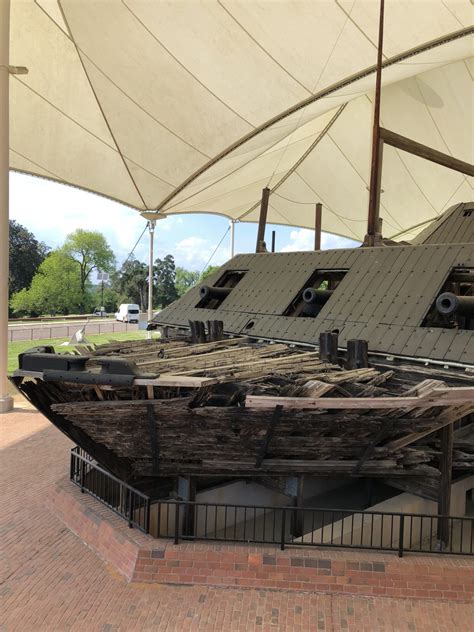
x=50, y=581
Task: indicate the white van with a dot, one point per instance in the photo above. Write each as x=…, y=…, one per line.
x=128, y=313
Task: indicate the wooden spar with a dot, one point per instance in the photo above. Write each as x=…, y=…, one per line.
x=317, y=226
x=443, y=420
x=418, y=149
x=437, y=397
x=380, y=136
x=446, y=468
x=262, y=222
x=177, y=381
x=426, y=488
x=326, y=467
x=377, y=144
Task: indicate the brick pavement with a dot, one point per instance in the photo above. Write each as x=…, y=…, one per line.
x=142, y=558
x=50, y=581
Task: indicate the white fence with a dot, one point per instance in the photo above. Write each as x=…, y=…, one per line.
x=48, y=331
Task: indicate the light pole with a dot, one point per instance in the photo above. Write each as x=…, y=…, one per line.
x=152, y=217
x=151, y=230
x=102, y=276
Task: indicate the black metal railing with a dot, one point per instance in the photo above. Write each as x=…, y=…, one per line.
x=123, y=499
x=281, y=526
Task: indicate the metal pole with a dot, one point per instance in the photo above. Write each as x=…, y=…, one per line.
x=151, y=229
x=232, y=238
x=377, y=144
x=6, y=401
x=262, y=220
x=273, y=240
x=317, y=226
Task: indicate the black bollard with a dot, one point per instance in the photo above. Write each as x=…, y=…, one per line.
x=357, y=354
x=328, y=341
x=215, y=330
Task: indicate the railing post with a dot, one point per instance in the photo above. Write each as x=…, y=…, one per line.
x=283, y=529
x=176, y=523
x=147, y=516
x=130, y=508
x=83, y=472
x=401, y=533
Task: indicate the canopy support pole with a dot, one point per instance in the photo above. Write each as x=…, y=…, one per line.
x=151, y=230
x=377, y=146
x=6, y=401
x=232, y=238
x=262, y=222
x=423, y=151
x=317, y=226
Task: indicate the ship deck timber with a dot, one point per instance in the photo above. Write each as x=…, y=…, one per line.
x=241, y=408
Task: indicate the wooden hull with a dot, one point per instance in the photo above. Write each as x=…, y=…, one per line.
x=136, y=437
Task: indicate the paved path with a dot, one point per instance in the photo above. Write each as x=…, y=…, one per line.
x=51, y=582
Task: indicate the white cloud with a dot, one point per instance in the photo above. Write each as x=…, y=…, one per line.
x=300, y=239
x=196, y=251
x=52, y=211
x=303, y=239
x=169, y=223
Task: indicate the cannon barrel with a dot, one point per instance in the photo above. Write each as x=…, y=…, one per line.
x=449, y=304
x=316, y=297
x=210, y=291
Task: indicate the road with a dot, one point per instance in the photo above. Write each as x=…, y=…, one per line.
x=64, y=329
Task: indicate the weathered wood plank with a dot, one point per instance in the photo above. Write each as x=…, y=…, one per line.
x=443, y=420
x=178, y=381
x=439, y=397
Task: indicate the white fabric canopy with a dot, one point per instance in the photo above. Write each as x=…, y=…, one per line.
x=190, y=106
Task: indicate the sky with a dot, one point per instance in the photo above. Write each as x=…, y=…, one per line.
x=51, y=211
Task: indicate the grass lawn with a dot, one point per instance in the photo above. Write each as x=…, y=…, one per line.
x=14, y=348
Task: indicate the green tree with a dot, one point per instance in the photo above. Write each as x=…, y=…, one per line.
x=131, y=283
x=25, y=256
x=165, y=277
x=55, y=288
x=185, y=280
x=208, y=271
x=111, y=300
x=90, y=250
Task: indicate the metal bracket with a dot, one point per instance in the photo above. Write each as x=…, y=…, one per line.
x=17, y=70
